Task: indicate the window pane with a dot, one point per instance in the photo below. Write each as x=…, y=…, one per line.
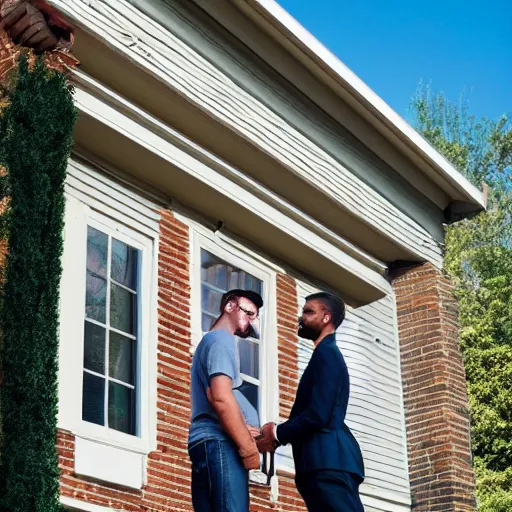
x=121, y=408
x=94, y=348
x=124, y=264
x=213, y=270
x=121, y=358
x=210, y=300
x=249, y=358
x=251, y=283
x=93, y=399
x=96, y=298
x=224, y=276
x=123, y=309
x=234, y=279
x=250, y=391
x=97, y=250
x=207, y=322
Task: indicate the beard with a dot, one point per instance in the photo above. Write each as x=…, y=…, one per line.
x=307, y=332
x=243, y=334
x=251, y=332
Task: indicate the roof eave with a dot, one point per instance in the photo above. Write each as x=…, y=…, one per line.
x=274, y=19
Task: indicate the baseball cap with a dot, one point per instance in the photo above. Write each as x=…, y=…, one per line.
x=254, y=297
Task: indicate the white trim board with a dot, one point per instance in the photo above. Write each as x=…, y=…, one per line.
x=98, y=90
x=73, y=505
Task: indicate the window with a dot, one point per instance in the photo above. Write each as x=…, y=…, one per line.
x=111, y=332
x=217, y=277
x=108, y=332
x=108, y=327
x=219, y=262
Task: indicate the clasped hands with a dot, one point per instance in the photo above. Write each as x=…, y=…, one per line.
x=265, y=442
x=264, y=437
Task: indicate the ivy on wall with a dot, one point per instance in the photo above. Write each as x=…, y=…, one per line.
x=36, y=132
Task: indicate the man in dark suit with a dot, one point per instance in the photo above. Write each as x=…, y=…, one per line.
x=328, y=462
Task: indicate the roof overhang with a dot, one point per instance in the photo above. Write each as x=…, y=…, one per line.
x=128, y=138
x=122, y=60
x=319, y=250
x=328, y=69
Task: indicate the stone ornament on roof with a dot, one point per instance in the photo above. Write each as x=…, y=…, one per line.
x=37, y=26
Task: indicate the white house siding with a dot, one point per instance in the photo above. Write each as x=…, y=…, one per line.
x=367, y=338
x=205, y=36
x=207, y=85
x=231, y=85
x=111, y=197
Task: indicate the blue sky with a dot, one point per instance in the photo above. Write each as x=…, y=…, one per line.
x=392, y=45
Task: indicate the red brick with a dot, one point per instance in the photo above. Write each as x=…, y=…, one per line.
x=435, y=395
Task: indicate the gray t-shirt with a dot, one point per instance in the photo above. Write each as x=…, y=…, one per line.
x=216, y=354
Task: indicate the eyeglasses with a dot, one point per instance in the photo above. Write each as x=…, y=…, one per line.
x=250, y=314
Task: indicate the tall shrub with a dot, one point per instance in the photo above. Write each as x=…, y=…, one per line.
x=36, y=129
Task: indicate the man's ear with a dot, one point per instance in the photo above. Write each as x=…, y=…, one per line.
x=327, y=318
x=229, y=307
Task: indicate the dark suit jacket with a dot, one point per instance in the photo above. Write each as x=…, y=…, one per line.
x=316, y=428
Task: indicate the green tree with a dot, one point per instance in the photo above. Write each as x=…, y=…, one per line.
x=479, y=260
x=480, y=148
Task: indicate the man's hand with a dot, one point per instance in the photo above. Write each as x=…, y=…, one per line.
x=268, y=442
x=255, y=431
x=250, y=458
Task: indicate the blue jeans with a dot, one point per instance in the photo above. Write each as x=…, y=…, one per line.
x=220, y=483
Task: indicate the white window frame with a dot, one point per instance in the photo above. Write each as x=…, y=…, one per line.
x=74, y=505
x=72, y=315
x=227, y=248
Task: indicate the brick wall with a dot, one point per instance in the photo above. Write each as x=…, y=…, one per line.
x=287, y=315
x=287, y=308
x=436, y=403
x=168, y=468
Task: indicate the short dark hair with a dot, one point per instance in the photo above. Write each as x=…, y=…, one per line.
x=230, y=295
x=333, y=304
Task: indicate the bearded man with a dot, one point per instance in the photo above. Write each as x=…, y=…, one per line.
x=328, y=461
